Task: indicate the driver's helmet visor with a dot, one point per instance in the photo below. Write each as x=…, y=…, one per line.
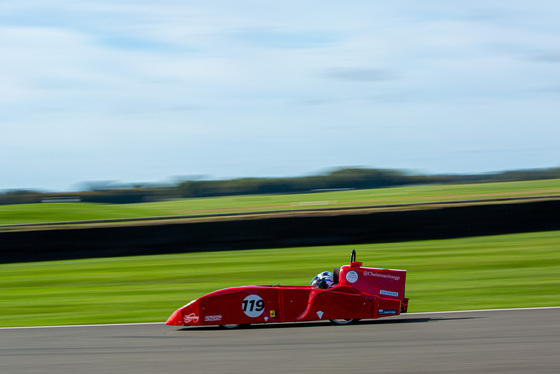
x=315, y=280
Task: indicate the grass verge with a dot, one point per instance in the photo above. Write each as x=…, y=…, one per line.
x=471, y=273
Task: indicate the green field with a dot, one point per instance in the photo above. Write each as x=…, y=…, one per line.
x=507, y=271
x=58, y=212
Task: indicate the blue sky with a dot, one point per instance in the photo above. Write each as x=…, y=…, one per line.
x=143, y=91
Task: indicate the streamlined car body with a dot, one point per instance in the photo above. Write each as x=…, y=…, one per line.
x=358, y=292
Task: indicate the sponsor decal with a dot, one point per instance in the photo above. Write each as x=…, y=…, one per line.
x=320, y=314
x=387, y=311
x=352, y=276
x=213, y=318
x=380, y=275
x=190, y=318
x=389, y=293
x=253, y=306
x=273, y=314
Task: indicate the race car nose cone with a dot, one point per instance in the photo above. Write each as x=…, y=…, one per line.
x=176, y=319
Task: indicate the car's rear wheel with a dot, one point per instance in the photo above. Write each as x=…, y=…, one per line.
x=343, y=321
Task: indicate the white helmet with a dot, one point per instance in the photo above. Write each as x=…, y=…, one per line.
x=323, y=280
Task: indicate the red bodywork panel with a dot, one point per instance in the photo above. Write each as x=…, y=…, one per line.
x=360, y=293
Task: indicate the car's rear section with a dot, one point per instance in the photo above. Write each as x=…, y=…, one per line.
x=387, y=285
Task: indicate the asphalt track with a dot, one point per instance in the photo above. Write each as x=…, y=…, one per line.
x=500, y=341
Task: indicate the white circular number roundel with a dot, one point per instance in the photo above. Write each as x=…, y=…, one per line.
x=253, y=306
x=352, y=276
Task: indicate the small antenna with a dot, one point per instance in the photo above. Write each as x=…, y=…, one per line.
x=353, y=256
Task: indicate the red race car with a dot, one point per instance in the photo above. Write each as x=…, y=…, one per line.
x=348, y=294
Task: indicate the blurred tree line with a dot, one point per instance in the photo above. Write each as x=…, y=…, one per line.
x=353, y=178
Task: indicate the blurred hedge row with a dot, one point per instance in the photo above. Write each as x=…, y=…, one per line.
x=354, y=178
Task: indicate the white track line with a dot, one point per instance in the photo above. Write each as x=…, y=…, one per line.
x=162, y=323
x=485, y=310
x=65, y=326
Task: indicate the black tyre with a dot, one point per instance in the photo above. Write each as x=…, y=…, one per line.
x=343, y=321
x=229, y=326
x=336, y=275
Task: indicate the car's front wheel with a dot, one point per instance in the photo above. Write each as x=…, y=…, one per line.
x=230, y=326
x=235, y=326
